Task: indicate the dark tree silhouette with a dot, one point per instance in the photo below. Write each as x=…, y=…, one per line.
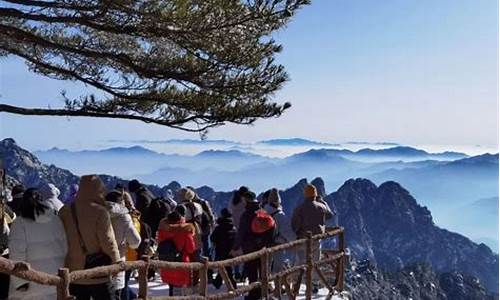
x=186, y=64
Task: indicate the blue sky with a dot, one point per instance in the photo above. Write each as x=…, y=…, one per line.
x=419, y=72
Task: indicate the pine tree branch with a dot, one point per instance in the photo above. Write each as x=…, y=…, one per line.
x=177, y=124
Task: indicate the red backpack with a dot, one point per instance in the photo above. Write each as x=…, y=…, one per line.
x=262, y=222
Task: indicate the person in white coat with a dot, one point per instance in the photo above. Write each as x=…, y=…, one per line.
x=50, y=196
x=284, y=233
x=37, y=237
x=126, y=233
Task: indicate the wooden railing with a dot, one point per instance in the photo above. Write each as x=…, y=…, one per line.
x=290, y=278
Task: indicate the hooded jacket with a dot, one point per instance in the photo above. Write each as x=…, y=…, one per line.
x=182, y=235
x=223, y=237
x=42, y=244
x=50, y=194
x=125, y=233
x=284, y=232
x=310, y=215
x=95, y=227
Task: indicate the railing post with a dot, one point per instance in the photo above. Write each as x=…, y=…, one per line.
x=143, y=279
x=309, y=262
x=203, y=289
x=277, y=287
x=63, y=287
x=264, y=274
x=340, y=265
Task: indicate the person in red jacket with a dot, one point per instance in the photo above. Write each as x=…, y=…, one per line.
x=175, y=228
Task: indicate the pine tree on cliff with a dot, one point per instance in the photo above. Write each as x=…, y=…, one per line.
x=186, y=64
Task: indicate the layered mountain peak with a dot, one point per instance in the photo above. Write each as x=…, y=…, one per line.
x=359, y=185
x=386, y=225
x=26, y=168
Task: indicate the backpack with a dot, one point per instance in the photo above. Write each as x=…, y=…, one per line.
x=157, y=210
x=263, y=229
x=167, y=251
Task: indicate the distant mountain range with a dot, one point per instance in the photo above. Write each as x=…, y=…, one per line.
x=294, y=142
x=442, y=181
x=383, y=224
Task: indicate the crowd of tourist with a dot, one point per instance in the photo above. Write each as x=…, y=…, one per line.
x=93, y=227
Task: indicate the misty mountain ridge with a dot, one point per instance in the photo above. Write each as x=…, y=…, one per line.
x=443, y=186
x=383, y=223
x=294, y=142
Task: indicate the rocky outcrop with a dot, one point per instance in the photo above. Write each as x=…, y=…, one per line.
x=386, y=225
x=418, y=282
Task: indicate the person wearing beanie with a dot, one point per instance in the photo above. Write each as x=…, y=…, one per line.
x=310, y=192
x=193, y=210
x=311, y=215
x=284, y=232
x=223, y=238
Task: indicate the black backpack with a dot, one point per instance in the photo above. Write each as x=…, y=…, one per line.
x=158, y=209
x=167, y=251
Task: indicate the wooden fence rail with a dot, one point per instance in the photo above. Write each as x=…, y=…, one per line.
x=290, y=278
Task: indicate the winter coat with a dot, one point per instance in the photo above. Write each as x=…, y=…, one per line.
x=182, y=235
x=223, y=237
x=95, y=227
x=125, y=233
x=42, y=244
x=310, y=215
x=50, y=194
x=143, y=198
x=236, y=210
x=284, y=232
x=245, y=239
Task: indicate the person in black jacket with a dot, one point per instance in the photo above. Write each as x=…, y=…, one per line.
x=143, y=197
x=223, y=238
x=249, y=241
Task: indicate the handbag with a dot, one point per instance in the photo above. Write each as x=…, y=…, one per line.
x=91, y=260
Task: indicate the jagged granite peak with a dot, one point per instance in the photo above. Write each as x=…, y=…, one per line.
x=386, y=225
x=27, y=169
